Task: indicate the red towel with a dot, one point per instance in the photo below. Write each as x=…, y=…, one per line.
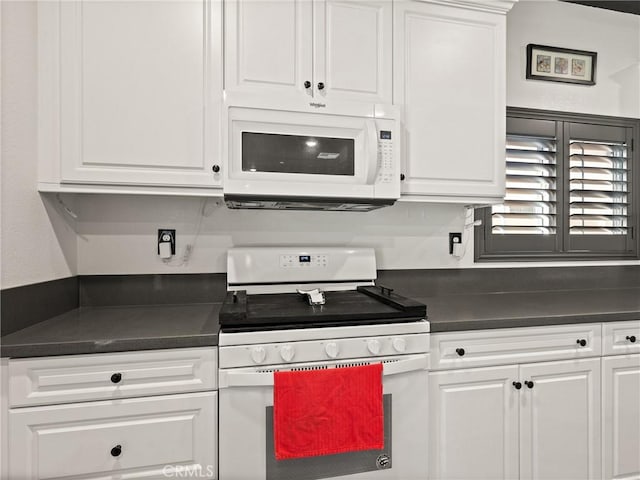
x=321, y=412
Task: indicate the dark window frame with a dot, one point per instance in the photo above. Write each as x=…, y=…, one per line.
x=510, y=248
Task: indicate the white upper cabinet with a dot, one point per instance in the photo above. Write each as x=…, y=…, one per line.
x=353, y=50
x=268, y=46
x=317, y=50
x=130, y=92
x=449, y=79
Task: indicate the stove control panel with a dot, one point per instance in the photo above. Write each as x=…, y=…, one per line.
x=280, y=269
x=303, y=261
x=279, y=353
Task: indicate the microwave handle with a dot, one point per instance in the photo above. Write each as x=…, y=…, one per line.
x=372, y=144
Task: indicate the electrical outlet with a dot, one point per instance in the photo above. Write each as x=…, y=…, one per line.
x=167, y=235
x=454, y=238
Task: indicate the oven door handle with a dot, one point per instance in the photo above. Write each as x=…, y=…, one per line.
x=251, y=378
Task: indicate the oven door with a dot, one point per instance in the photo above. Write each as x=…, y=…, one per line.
x=272, y=152
x=246, y=427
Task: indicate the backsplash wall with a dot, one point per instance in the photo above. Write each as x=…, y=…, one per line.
x=117, y=234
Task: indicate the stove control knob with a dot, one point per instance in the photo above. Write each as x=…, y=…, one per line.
x=399, y=344
x=373, y=346
x=287, y=352
x=258, y=354
x=331, y=349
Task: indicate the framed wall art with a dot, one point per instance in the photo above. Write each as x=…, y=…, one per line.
x=555, y=64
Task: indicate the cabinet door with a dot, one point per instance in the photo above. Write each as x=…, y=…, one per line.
x=268, y=47
x=560, y=420
x=474, y=423
x=353, y=50
x=621, y=417
x=132, y=438
x=449, y=78
x=140, y=87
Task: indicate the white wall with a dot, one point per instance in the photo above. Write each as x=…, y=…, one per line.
x=38, y=242
x=613, y=35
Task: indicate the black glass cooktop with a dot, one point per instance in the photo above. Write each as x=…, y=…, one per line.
x=364, y=306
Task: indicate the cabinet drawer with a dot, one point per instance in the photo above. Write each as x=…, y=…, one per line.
x=514, y=345
x=74, y=378
x=617, y=338
x=132, y=438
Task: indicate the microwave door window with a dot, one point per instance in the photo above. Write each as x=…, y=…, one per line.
x=268, y=152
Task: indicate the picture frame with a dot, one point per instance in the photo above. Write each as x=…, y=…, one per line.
x=555, y=64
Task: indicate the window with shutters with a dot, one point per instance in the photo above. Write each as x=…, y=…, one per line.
x=572, y=190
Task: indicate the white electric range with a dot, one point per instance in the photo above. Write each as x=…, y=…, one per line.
x=266, y=326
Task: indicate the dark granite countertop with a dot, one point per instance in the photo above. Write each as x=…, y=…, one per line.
x=124, y=328
x=116, y=329
x=528, y=309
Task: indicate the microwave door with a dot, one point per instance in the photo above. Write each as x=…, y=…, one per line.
x=298, y=154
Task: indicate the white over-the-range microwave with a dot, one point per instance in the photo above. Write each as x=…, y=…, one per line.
x=310, y=156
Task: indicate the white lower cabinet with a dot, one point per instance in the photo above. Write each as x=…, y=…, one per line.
x=535, y=421
x=474, y=423
x=523, y=420
x=72, y=417
x=560, y=420
x=621, y=417
x=132, y=438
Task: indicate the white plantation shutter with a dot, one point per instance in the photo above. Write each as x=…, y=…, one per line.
x=571, y=182
x=599, y=188
x=530, y=201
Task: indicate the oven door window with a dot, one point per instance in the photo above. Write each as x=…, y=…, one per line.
x=312, y=155
x=329, y=466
